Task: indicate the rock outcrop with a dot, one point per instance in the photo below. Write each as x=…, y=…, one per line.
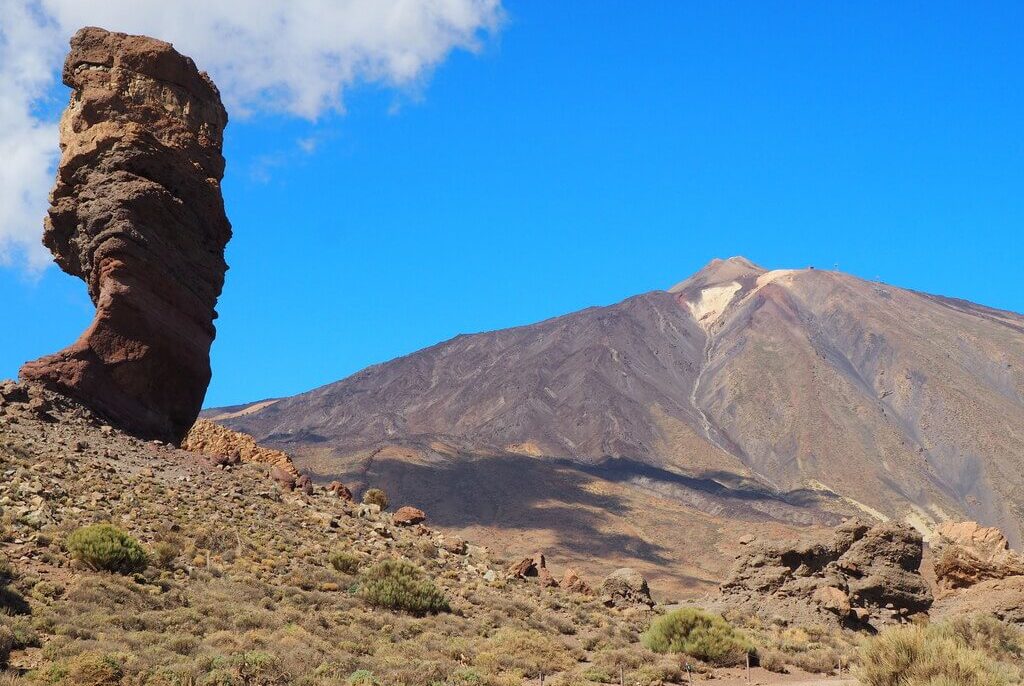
x=624, y=588
x=535, y=567
x=864, y=575
x=977, y=572
x=967, y=553
x=137, y=214
x=220, y=443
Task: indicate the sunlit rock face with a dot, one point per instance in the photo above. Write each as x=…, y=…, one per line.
x=137, y=214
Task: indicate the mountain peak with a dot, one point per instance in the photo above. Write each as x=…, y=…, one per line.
x=718, y=272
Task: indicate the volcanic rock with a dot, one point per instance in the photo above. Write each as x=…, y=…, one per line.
x=861, y=575
x=408, y=516
x=340, y=490
x=625, y=587
x=573, y=581
x=137, y=214
x=225, y=445
x=968, y=553
x=532, y=568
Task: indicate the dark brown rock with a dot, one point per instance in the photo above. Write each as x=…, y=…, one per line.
x=137, y=214
x=863, y=574
x=408, y=516
x=340, y=490
x=532, y=568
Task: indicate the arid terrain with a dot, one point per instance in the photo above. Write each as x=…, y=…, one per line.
x=657, y=431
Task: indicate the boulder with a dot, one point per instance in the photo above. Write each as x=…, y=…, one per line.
x=137, y=214
x=304, y=484
x=339, y=490
x=573, y=581
x=532, y=568
x=408, y=516
x=625, y=587
x=284, y=478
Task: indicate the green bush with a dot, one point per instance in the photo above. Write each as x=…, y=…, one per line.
x=927, y=656
x=375, y=496
x=345, y=562
x=361, y=677
x=698, y=634
x=399, y=585
x=107, y=548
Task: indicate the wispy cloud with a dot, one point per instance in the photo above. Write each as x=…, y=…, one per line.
x=288, y=56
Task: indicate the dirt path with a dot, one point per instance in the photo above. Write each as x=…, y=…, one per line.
x=762, y=677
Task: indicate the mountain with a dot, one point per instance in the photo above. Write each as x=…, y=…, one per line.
x=739, y=401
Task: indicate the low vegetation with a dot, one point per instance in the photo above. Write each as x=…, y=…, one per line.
x=964, y=652
x=401, y=585
x=705, y=636
x=375, y=496
x=104, y=547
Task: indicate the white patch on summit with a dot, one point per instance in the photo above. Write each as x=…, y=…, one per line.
x=713, y=302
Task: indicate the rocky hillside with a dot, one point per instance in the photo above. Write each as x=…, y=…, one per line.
x=225, y=577
x=738, y=398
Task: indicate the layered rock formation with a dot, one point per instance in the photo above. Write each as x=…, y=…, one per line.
x=977, y=572
x=864, y=575
x=214, y=440
x=967, y=553
x=137, y=214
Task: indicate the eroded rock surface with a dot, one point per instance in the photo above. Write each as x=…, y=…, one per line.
x=967, y=553
x=137, y=214
x=862, y=575
x=220, y=443
x=977, y=572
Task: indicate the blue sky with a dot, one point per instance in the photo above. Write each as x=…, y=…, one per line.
x=591, y=151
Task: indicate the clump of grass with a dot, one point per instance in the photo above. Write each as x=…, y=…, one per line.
x=699, y=634
x=926, y=656
x=399, y=585
x=361, y=677
x=526, y=653
x=93, y=669
x=103, y=547
x=345, y=562
x=376, y=496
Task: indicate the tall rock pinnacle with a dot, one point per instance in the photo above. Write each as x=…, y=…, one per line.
x=137, y=214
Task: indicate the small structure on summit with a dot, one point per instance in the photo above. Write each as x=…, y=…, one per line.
x=137, y=214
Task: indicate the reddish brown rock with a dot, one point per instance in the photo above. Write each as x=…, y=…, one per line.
x=340, y=490
x=137, y=214
x=407, y=516
x=967, y=553
x=225, y=446
x=283, y=477
x=532, y=568
x=572, y=581
x=304, y=484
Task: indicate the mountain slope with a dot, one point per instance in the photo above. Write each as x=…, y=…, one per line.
x=738, y=397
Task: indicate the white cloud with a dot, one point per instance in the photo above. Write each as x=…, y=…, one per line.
x=290, y=56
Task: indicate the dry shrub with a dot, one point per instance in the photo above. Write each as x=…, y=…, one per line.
x=376, y=496
x=933, y=655
x=526, y=653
